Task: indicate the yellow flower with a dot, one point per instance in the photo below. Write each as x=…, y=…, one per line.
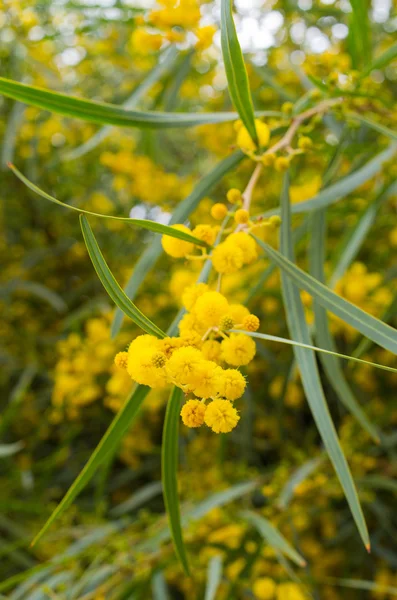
x=221, y=416
x=244, y=140
x=192, y=413
x=238, y=349
x=264, y=588
x=238, y=312
x=241, y=216
x=290, y=591
x=234, y=196
x=142, y=369
x=210, y=307
x=207, y=233
x=251, y=323
x=232, y=384
x=182, y=365
x=175, y=247
x=206, y=380
x=227, y=258
x=191, y=293
x=246, y=243
x=121, y=360
x=218, y=211
x=211, y=350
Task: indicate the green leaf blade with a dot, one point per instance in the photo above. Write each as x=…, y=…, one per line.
x=236, y=72
x=169, y=468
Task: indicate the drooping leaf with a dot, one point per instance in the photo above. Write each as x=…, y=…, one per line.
x=273, y=536
x=236, y=72
x=142, y=223
x=309, y=371
x=112, y=437
x=110, y=284
x=109, y=114
x=169, y=468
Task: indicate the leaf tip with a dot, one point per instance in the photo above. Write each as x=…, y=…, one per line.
x=368, y=547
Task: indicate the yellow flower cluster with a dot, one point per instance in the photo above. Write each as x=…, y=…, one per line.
x=265, y=588
x=199, y=360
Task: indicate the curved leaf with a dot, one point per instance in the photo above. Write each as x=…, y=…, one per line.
x=169, y=468
x=108, y=114
x=110, y=284
x=143, y=223
x=236, y=72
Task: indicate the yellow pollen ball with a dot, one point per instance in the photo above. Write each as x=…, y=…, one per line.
x=264, y=588
x=281, y=163
x=175, y=247
x=192, y=413
x=221, y=416
x=206, y=233
x=226, y=323
x=251, y=323
x=192, y=293
x=234, y=196
x=121, y=360
x=246, y=243
x=210, y=308
x=218, y=211
x=159, y=359
x=290, y=591
x=227, y=259
x=241, y=216
x=211, y=350
x=182, y=364
x=232, y=384
x=238, y=349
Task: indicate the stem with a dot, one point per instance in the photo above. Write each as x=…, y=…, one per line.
x=247, y=194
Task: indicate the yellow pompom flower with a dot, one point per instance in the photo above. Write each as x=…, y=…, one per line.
x=191, y=293
x=238, y=349
x=234, y=196
x=264, y=588
x=232, y=384
x=192, y=413
x=241, y=216
x=244, y=140
x=182, y=365
x=245, y=243
x=175, y=247
x=227, y=322
x=206, y=379
x=141, y=367
x=121, y=360
x=221, y=416
x=206, y=233
x=227, y=259
x=251, y=323
x=218, y=211
x=281, y=163
x=238, y=312
x=290, y=591
x=210, y=307
x=211, y=350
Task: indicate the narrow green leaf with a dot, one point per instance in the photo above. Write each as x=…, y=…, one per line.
x=374, y=125
x=10, y=449
x=109, y=114
x=110, y=284
x=166, y=60
x=236, y=72
x=376, y=330
x=273, y=537
x=309, y=372
x=180, y=214
x=342, y=188
x=42, y=292
x=214, y=576
x=159, y=587
x=169, y=469
x=301, y=474
x=365, y=344
x=381, y=61
x=112, y=437
x=323, y=335
x=360, y=584
x=274, y=338
x=142, y=223
x=137, y=499
x=359, y=38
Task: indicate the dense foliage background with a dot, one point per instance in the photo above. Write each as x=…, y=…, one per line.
x=60, y=386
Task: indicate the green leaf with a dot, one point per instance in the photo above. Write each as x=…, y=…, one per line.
x=323, y=336
x=180, y=214
x=301, y=474
x=236, y=72
x=359, y=38
x=137, y=499
x=214, y=577
x=274, y=338
x=40, y=291
x=112, y=437
x=273, y=536
x=159, y=587
x=376, y=330
x=335, y=192
x=381, y=61
x=309, y=372
x=109, y=114
x=10, y=449
x=111, y=286
x=169, y=469
x=167, y=59
x=142, y=223
x=360, y=584
x=374, y=125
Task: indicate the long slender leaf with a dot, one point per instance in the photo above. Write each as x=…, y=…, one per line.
x=323, y=335
x=109, y=114
x=180, y=214
x=374, y=125
x=340, y=189
x=301, y=474
x=214, y=576
x=273, y=536
x=360, y=584
x=376, y=330
x=10, y=449
x=142, y=223
x=111, y=285
x=381, y=61
x=309, y=372
x=112, y=437
x=236, y=72
x=152, y=77
x=169, y=468
x=359, y=39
